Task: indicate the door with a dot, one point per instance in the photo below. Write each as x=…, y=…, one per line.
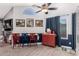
x=45, y=39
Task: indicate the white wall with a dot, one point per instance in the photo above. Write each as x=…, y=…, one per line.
x=77, y=27
x=1, y=27
x=69, y=24
x=77, y=24
x=18, y=14
x=9, y=14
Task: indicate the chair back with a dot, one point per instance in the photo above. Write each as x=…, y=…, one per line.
x=16, y=37
x=24, y=38
x=32, y=36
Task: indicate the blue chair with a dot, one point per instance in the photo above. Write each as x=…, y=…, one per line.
x=24, y=38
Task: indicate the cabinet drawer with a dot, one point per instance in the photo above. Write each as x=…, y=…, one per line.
x=51, y=43
x=48, y=40
x=44, y=39
x=45, y=43
x=51, y=40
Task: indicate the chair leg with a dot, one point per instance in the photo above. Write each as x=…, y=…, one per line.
x=19, y=45
x=22, y=45
x=13, y=45
x=36, y=43
x=30, y=43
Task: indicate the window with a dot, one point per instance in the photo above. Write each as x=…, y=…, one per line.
x=63, y=28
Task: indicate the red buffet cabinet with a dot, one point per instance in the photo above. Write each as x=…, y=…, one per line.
x=49, y=39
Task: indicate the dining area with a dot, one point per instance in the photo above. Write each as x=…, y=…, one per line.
x=22, y=39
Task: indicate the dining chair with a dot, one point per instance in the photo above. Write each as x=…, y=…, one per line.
x=16, y=39
x=24, y=39
x=33, y=38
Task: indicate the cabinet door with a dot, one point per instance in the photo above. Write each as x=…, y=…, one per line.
x=44, y=39
x=51, y=41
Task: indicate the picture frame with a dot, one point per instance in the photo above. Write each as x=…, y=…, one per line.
x=38, y=23
x=20, y=22
x=29, y=22
x=8, y=24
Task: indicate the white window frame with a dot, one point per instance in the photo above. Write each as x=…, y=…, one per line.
x=65, y=17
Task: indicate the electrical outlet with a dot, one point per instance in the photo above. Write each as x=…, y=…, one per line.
x=69, y=43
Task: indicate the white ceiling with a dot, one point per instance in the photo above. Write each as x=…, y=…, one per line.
x=62, y=8
x=4, y=8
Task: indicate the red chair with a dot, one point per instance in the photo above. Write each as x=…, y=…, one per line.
x=33, y=38
x=16, y=39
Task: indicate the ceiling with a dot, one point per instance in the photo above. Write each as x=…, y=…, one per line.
x=62, y=7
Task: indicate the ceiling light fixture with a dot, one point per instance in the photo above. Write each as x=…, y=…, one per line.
x=44, y=10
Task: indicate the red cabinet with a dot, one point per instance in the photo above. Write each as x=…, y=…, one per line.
x=49, y=39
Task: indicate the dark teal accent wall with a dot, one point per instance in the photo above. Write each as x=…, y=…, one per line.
x=74, y=30
x=53, y=24
x=71, y=38
x=57, y=21
x=65, y=42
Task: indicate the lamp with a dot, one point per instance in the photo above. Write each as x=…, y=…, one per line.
x=48, y=30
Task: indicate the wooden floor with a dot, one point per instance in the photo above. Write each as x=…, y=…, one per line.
x=39, y=50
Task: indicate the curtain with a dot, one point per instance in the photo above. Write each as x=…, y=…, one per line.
x=57, y=31
x=74, y=30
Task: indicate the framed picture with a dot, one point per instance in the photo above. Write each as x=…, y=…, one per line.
x=20, y=22
x=8, y=24
x=29, y=22
x=38, y=23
